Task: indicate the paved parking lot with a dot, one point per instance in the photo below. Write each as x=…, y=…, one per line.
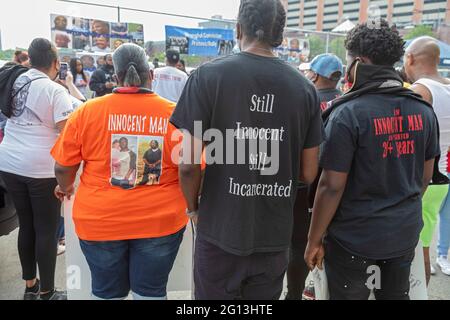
x=11, y=285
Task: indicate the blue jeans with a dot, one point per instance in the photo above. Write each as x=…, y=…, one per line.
x=61, y=234
x=444, y=227
x=142, y=266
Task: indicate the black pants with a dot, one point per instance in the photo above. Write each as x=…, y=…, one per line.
x=297, y=269
x=39, y=212
x=351, y=277
x=220, y=275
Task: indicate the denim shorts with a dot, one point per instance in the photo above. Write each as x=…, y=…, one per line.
x=141, y=265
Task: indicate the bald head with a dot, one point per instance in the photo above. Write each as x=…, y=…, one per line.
x=422, y=59
x=425, y=50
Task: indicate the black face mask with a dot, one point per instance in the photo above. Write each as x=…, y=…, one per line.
x=349, y=69
x=313, y=79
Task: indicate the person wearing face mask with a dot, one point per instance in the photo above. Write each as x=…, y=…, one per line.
x=39, y=111
x=377, y=159
x=325, y=71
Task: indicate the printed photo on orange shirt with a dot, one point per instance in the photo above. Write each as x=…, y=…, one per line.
x=150, y=160
x=123, y=161
x=136, y=160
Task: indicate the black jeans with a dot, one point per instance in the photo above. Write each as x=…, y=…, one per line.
x=351, y=277
x=297, y=269
x=220, y=275
x=39, y=214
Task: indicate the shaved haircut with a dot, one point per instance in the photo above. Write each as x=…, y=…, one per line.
x=425, y=49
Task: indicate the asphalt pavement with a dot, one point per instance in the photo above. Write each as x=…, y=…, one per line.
x=11, y=285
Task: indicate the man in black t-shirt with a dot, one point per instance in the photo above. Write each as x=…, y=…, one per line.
x=325, y=71
x=268, y=116
x=377, y=160
x=152, y=160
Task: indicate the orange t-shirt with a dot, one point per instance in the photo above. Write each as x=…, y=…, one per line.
x=129, y=186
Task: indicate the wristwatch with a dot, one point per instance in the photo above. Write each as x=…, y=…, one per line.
x=191, y=214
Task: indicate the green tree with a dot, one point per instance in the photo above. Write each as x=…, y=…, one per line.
x=191, y=61
x=7, y=55
x=161, y=56
x=194, y=61
x=419, y=31
x=317, y=46
x=337, y=46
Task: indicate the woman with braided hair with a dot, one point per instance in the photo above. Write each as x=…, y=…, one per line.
x=245, y=216
x=129, y=233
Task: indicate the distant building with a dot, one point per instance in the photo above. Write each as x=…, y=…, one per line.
x=218, y=22
x=325, y=15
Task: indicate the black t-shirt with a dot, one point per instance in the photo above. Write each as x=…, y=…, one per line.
x=382, y=142
x=153, y=156
x=248, y=207
x=327, y=95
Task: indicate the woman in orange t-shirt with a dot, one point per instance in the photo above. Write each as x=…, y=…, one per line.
x=130, y=226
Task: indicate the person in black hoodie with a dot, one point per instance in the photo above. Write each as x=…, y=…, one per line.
x=102, y=80
x=377, y=159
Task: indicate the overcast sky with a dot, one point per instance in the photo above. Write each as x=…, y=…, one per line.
x=24, y=20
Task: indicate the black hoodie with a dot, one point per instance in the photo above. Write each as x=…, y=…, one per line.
x=99, y=79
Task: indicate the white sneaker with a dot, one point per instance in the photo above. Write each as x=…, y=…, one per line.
x=444, y=264
x=61, y=249
x=432, y=270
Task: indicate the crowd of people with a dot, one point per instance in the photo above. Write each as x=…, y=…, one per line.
x=353, y=179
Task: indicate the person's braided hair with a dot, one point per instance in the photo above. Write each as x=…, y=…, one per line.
x=380, y=43
x=263, y=20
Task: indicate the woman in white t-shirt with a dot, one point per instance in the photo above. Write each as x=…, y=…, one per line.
x=80, y=78
x=40, y=109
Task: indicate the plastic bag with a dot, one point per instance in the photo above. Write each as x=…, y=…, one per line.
x=316, y=285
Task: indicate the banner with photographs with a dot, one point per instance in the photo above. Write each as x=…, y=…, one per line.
x=200, y=42
x=295, y=48
x=93, y=35
x=91, y=61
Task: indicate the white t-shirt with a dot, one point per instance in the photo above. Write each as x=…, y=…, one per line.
x=31, y=132
x=81, y=85
x=169, y=83
x=75, y=103
x=441, y=105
